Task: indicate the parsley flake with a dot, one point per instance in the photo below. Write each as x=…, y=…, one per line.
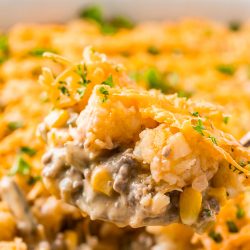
x=213, y=139
x=27, y=150
x=232, y=228
x=121, y=22
x=20, y=167
x=234, y=26
x=183, y=93
x=82, y=71
x=4, y=48
x=216, y=236
x=226, y=69
x=240, y=213
x=15, y=125
x=199, y=127
x=64, y=90
x=3, y=43
x=153, y=50
x=226, y=119
x=109, y=81
x=111, y=26
x=33, y=179
x=92, y=13
x=208, y=212
x=38, y=52
x=105, y=93
x=196, y=114
x=80, y=92
x=156, y=80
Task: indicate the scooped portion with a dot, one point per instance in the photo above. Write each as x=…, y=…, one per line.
x=136, y=157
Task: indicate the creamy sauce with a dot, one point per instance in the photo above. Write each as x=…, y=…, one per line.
x=70, y=169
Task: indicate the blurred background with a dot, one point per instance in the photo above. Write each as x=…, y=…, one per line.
x=12, y=11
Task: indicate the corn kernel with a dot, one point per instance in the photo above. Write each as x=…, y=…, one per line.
x=219, y=193
x=190, y=205
x=57, y=118
x=101, y=181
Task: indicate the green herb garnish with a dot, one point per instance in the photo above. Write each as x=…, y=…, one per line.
x=153, y=50
x=240, y=213
x=80, y=92
x=226, y=69
x=156, y=80
x=38, y=52
x=226, y=119
x=4, y=48
x=234, y=26
x=182, y=93
x=4, y=43
x=82, y=71
x=208, y=212
x=196, y=114
x=20, y=167
x=92, y=13
x=27, y=150
x=242, y=164
x=213, y=139
x=109, y=81
x=105, y=93
x=120, y=22
x=33, y=179
x=64, y=90
x=232, y=228
x=15, y=125
x=110, y=26
x=199, y=127
x=215, y=236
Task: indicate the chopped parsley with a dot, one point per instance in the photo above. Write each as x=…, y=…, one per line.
x=213, y=139
x=240, y=213
x=107, y=26
x=108, y=29
x=226, y=119
x=153, y=50
x=38, y=52
x=242, y=164
x=232, y=228
x=80, y=92
x=226, y=69
x=199, y=127
x=92, y=13
x=4, y=43
x=27, y=150
x=208, y=212
x=183, y=93
x=82, y=71
x=196, y=114
x=109, y=81
x=234, y=26
x=33, y=179
x=215, y=236
x=64, y=90
x=15, y=125
x=120, y=22
x=20, y=167
x=156, y=80
x=105, y=93
x=4, y=48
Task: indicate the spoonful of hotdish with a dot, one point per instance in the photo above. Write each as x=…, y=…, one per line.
x=132, y=156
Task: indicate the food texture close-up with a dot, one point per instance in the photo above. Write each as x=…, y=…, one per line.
x=125, y=134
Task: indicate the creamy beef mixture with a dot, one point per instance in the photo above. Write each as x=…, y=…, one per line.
x=71, y=169
x=136, y=157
